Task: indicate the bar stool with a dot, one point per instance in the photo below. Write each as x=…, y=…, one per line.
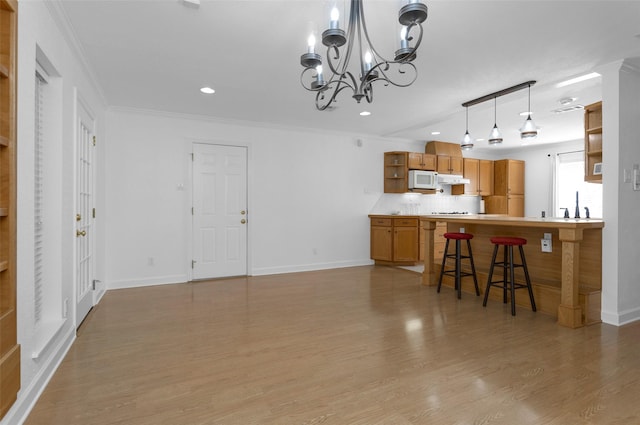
x=508, y=283
x=457, y=272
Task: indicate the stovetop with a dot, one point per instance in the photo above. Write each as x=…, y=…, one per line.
x=450, y=212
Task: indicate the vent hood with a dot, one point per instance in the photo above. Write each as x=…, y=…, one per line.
x=452, y=179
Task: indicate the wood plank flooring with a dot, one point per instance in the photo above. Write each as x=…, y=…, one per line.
x=362, y=345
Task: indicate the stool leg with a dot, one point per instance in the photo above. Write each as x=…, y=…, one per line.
x=444, y=261
x=493, y=263
x=526, y=276
x=473, y=268
x=512, y=281
x=505, y=266
x=458, y=267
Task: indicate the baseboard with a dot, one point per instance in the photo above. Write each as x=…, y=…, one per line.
x=622, y=318
x=136, y=283
x=261, y=271
x=28, y=397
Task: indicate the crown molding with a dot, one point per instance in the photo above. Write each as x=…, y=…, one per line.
x=63, y=23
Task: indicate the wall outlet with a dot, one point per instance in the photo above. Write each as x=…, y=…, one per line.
x=546, y=245
x=65, y=307
x=462, y=230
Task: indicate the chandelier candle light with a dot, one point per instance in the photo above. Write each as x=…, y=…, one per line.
x=372, y=66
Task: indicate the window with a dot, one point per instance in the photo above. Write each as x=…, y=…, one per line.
x=569, y=180
x=48, y=308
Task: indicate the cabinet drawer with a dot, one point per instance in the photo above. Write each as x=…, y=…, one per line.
x=405, y=222
x=381, y=222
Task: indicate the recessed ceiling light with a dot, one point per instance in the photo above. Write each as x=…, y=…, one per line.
x=365, y=113
x=567, y=100
x=207, y=90
x=578, y=79
x=435, y=133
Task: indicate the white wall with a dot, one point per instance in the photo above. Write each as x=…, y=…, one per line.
x=309, y=195
x=37, y=27
x=621, y=151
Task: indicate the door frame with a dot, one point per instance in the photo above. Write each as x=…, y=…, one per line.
x=188, y=222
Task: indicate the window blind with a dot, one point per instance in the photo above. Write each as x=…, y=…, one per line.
x=38, y=195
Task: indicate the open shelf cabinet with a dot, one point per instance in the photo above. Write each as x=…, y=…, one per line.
x=9, y=348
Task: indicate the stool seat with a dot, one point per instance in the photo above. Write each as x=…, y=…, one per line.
x=508, y=240
x=458, y=236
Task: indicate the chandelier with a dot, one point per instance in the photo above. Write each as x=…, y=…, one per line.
x=341, y=46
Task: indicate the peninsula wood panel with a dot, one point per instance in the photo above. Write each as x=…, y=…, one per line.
x=9, y=348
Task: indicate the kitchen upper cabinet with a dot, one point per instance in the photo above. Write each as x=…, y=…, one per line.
x=508, y=177
x=395, y=240
x=508, y=188
x=593, y=143
x=449, y=156
x=480, y=175
x=450, y=164
x=422, y=161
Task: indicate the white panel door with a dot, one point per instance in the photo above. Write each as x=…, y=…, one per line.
x=219, y=211
x=84, y=214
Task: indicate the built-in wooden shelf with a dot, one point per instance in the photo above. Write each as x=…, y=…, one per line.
x=4, y=141
x=593, y=143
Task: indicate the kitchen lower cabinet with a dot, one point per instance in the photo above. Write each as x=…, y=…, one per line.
x=395, y=241
x=511, y=205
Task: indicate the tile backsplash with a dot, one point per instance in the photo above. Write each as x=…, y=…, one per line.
x=418, y=204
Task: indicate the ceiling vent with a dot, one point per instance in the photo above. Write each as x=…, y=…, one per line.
x=568, y=109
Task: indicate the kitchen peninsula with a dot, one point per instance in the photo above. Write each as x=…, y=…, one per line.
x=567, y=281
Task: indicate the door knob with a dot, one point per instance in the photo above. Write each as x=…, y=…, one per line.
x=243, y=212
x=81, y=233
x=243, y=221
x=78, y=217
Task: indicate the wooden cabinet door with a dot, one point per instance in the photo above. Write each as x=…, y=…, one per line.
x=381, y=243
x=515, y=205
x=516, y=177
x=442, y=163
x=470, y=172
x=456, y=165
x=429, y=162
x=415, y=161
x=405, y=243
x=485, y=177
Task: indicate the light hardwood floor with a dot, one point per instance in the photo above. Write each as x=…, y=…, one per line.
x=362, y=345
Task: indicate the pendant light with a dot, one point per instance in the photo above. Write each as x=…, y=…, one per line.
x=467, y=143
x=495, y=137
x=529, y=129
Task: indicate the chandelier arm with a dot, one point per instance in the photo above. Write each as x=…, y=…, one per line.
x=321, y=95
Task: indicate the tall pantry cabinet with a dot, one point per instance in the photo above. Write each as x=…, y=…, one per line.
x=508, y=188
x=9, y=348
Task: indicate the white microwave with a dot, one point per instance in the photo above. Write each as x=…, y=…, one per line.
x=419, y=179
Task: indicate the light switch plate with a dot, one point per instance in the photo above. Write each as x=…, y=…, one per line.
x=546, y=245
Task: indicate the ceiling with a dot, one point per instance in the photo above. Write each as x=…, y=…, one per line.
x=156, y=54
